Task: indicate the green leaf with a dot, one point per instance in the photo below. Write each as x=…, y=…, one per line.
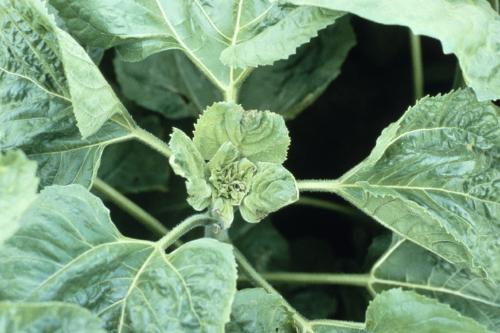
x=76, y=255
x=467, y=292
x=433, y=177
x=48, y=317
x=93, y=100
x=18, y=188
x=168, y=83
x=255, y=310
x=290, y=86
x=202, y=29
x=36, y=107
x=187, y=162
x=133, y=167
x=273, y=187
x=469, y=29
x=260, y=136
x=397, y=311
x=280, y=40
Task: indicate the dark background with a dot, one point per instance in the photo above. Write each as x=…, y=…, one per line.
x=330, y=137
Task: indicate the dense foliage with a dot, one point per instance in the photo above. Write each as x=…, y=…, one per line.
x=236, y=70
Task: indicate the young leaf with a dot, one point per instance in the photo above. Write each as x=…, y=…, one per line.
x=170, y=84
x=469, y=29
x=260, y=136
x=468, y=293
x=433, y=178
x=18, y=188
x=76, y=255
x=397, y=311
x=48, y=317
x=255, y=310
x=132, y=167
x=187, y=162
x=273, y=187
x=36, y=107
x=203, y=30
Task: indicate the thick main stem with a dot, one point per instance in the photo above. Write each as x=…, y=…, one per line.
x=417, y=65
x=152, y=141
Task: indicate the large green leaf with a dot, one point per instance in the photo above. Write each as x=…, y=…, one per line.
x=428, y=274
x=49, y=317
x=289, y=86
x=433, y=177
x=255, y=310
x=18, y=188
x=238, y=31
x=75, y=254
x=170, y=84
x=468, y=28
x=38, y=98
x=132, y=167
x=397, y=311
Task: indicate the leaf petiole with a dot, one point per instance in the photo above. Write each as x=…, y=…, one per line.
x=152, y=141
x=184, y=227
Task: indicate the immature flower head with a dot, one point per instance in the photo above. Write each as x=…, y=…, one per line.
x=235, y=160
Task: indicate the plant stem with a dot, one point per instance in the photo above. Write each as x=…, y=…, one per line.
x=255, y=278
x=130, y=207
x=319, y=203
x=358, y=280
x=182, y=228
x=417, y=65
x=152, y=141
x=316, y=185
x=495, y=4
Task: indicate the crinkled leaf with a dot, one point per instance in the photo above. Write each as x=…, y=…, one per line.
x=168, y=83
x=260, y=136
x=48, y=317
x=18, y=188
x=434, y=177
x=273, y=187
x=290, y=86
x=467, y=292
x=280, y=40
x=202, y=29
x=469, y=29
x=76, y=255
x=186, y=161
x=133, y=167
x=255, y=310
x=36, y=107
x=397, y=311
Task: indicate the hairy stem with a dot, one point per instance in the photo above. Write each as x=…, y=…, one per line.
x=417, y=66
x=316, y=185
x=130, y=207
x=324, y=204
x=256, y=279
x=358, y=280
x=152, y=141
x=197, y=220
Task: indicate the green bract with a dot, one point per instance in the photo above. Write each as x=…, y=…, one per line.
x=244, y=150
